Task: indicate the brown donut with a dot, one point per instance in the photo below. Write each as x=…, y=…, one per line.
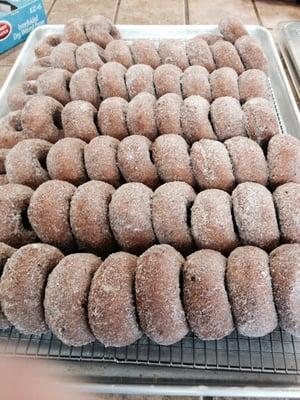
x=212, y=224
x=74, y=31
x=249, y=290
x=11, y=130
x=171, y=158
x=140, y=116
x=211, y=165
x=66, y=298
x=205, y=298
x=46, y=45
x=198, y=53
x=112, y=314
x=134, y=161
x=79, y=120
x=224, y=82
x=194, y=119
x=100, y=30
x=287, y=202
x=119, y=51
x=48, y=213
x=20, y=94
x=167, y=113
x=65, y=161
x=227, y=118
x=232, y=28
x=111, y=80
x=55, y=83
x=26, y=163
x=89, y=217
x=248, y=160
x=144, y=52
x=3, y=155
x=284, y=268
x=167, y=80
x=64, y=56
x=14, y=228
x=23, y=283
x=170, y=212
x=159, y=305
x=37, y=68
x=255, y=215
x=251, y=53
x=112, y=117
x=139, y=78
x=84, y=86
x=254, y=83
x=172, y=51
x=5, y=253
x=226, y=55
x=195, y=82
x=100, y=159
x=89, y=55
x=130, y=217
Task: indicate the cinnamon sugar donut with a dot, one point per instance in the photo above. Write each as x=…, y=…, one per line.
x=195, y=82
x=172, y=51
x=74, y=31
x=254, y=83
x=55, y=83
x=171, y=158
x=249, y=289
x=5, y=253
x=100, y=158
x=198, y=53
x=255, y=215
x=3, y=155
x=112, y=117
x=167, y=112
x=224, y=82
x=111, y=80
x=204, y=295
x=226, y=55
x=26, y=162
x=22, y=286
x=11, y=130
x=232, y=28
x=170, y=213
x=20, y=94
x=46, y=45
x=144, y=52
x=134, y=161
x=159, y=305
x=100, y=30
x=65, y=161
x=48, y=213
x=14, y=228
x=251, y=53
x=79, y=120
x=90, y=55
x=130, y=217
x=66, y=298
x=64, y=56
x=112, y=314
x=119, y=51
x=84, y=86
x=211, y=165
x=212, y=224
x=89, y=217
x=167, y=79
x=37, y=68
x=139, y=78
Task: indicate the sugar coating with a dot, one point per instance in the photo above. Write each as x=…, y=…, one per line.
x=198, y=53
x=11, y=130
x=210, y=38
x=255, y=216
x=195, y=81
x=232, y=28
x=3, y=155
x=55, y=83
x=111, y=80
x=64, y=56
x=251, y=53
x=119, y=51
x=100, y=30
x=158, y=301
x=112, y=117
x=167, y=113
x=167, y=79
x=224, y=82
x=84, y=86
x=111, y=308
x=139, y=78
x=144, y=52
x=90, y=55
x=249, y=290
x=38, y=67
x=173, y=51
x=46, y=45
x=25, y=162
x=66, y=298
x=23, y=283
x=205, y=298
x=254, y=83
x=226, y=55
x=20, y=93
x=74, y=31
x=5, y=253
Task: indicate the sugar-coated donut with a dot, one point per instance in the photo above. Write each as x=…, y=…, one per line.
x=251, y=53
x=46, y=45
x=37, y=68
x=199, y=53
x=55, y=83
x=5, y=253
x=206, y=304
x=3, y=155
x=139, y=78
x=195, y=82
x=84, y=86
x=167, y=79
x=74, y=31
x=224, y=82
x=249, y=290
x=170, y=213
x=26, y=162
x=112, y=117
x=111, y=80
x=48, y=213
x=90, y=55
x=64, y=56
x=254, y=83
x=255, y=215
x=173, y=51
x=23, y=283
x=212, y=224
x=226, y=55
x=66, y=298
x=100, y=30
x=130, y=217
x=11, y=130
x=167, y=112
x=112, y=314
x=158, y=300
x=119, y=51
x=144, y=52
x=232, y=28
x=20, y=94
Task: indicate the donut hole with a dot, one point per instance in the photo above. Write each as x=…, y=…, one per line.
x=57, y=119
x=25, y=220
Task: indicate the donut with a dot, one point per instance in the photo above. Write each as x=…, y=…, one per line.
x=89, y=217
x=144, y=52
x=211, y=165
x=254, y=83
x=283, y=159
x=227, y=118
x=3, y=155
x=84, y=86
x=171, y=158
x=249, y=289
x=255, y=215
x=66, y=298
x=224, y=82
x=37, y=68
x=130, y=217
x=74, y=31
x=100, y=30
x=20, y=94
x=112, y=117
x=64, y=56
x=287, y=202
x=48, y=213
x=167, y=112
x=119, y=51
x=172, y=51
x=194, y=119
x=248, y=160
x=139, y=78
x=226, y=55
x=198, y=53
x=232, y=28
x=26, y=163
x=5, y=253
x=89, y=55
x=195, y=82
x=65, y=161
x=140, y=116
x=11, y=130
x=55, y=83
x=46, y=45
x=167, y=79
x=112, y=314
x=111, y=80
x=79, y=120
x=212, y=224
x=158, y=300
x=284, y=269
x=251, y=53
x=170, y=215
x=15, y=230
x=206, y=304
x=23, y=283
x=209, y=38
x=100, y=159
x=134, y=161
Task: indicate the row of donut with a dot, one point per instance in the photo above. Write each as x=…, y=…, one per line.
x=96, y=217
x=82, y=299
x=208, y=164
